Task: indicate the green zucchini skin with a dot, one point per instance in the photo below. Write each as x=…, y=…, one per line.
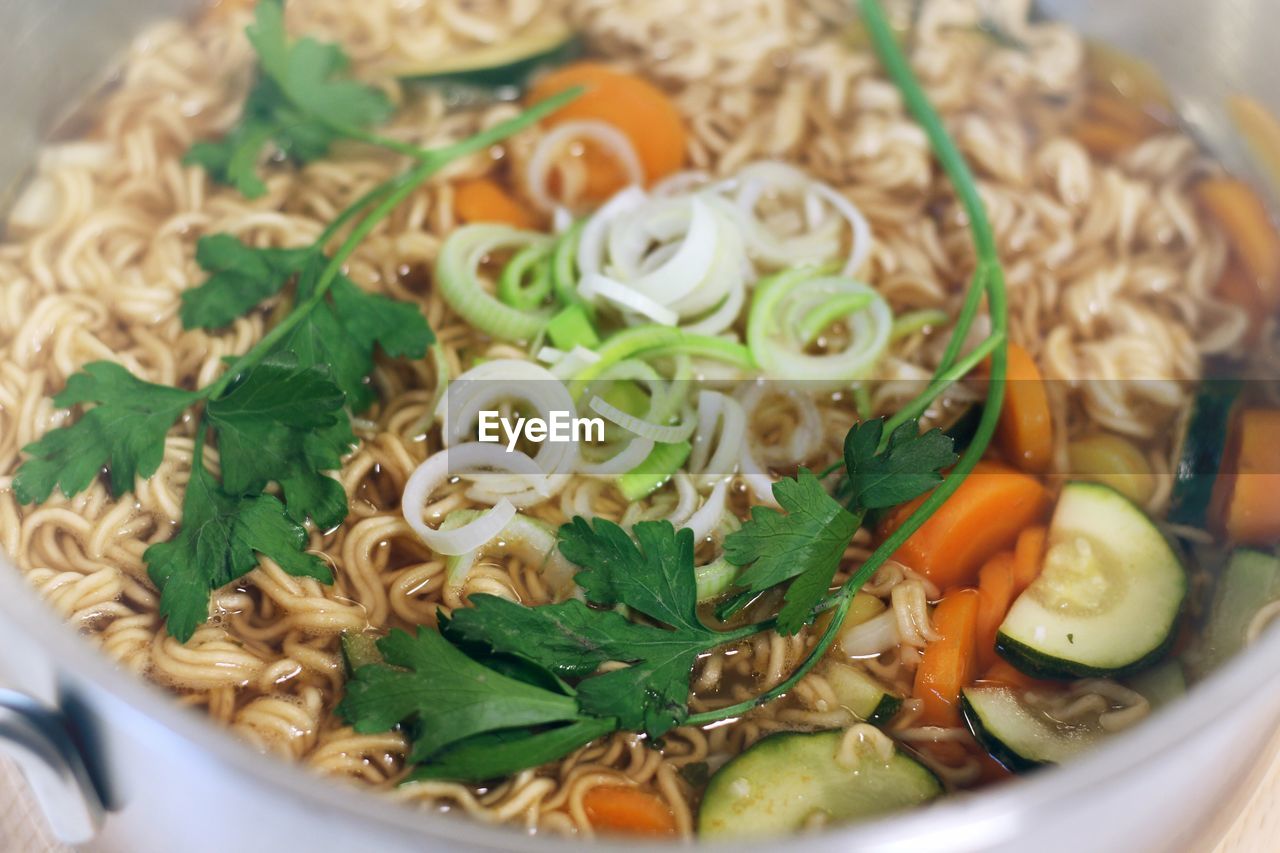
x=515, y=71
x=1006, y=757
x=1204, y=449
x=1027, y=660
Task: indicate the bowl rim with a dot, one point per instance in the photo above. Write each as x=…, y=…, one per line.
x=990, y=816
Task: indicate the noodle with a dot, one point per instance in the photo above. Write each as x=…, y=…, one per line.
x=1109, y=269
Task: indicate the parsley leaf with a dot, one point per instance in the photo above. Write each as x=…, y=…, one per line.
x=446, y=696
x=240, y=277
x=910, y=465
x=501, y=753
x=344, y=330
x=807, y=541
x=654, y=576
x=302, y=102
x=219, y=541
x=125, y=432
x=284, y=422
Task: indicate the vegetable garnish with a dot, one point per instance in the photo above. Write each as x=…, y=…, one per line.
x=808, y=542
x=622, y=674
x=281, y=412
x=511, y=664
x=302, y=101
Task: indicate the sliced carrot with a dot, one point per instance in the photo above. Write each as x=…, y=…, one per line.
x=985, y=515
x=995, y=595
x=1028, y=557
x=1253, y=512
x=628, y=811
x=948, y=663
x=643, y=112
x=1026, y=424
x=483, y=200
x=1249, y=228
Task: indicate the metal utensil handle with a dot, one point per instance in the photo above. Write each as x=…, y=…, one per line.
x=38, y=740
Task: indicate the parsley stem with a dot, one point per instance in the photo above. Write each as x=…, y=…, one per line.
x=943, y=380
x=988, y=279
x=389, y=196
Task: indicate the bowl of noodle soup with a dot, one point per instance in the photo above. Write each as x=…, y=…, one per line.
x=956, y=369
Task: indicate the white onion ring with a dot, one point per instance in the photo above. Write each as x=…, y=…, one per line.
x=639, y=426
x=632, y=454
x=594, y=287
x=438, y=469
x=757, y=179
x=505, y=379
x=716, y=408
x=708, y=515
x=539, y=168
x=873, y=637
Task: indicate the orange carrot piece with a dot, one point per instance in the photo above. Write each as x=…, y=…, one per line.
x=1028, y=557
x=483, y=200
x=995, y=595
x=643, y=112
x=984, y=516
x=948, y=663
x=1253, y=513
x=628, y=811
x=1026, y=425
x=1249, y=228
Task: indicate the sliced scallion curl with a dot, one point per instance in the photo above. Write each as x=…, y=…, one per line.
x=525, y=282
x=564, y=264
x=665, y=433
x=529, y=538
x=595, y=288
x=716, y=578
x=722, y=424
x=464, y=459
x=782, y=317
x=818, y=217
x=653, y=341
x=508, y=381
x=458, y=276
x=906, y=325
x=542, y=161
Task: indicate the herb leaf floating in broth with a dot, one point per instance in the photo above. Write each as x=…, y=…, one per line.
x=126, y=431
x=220, y=540
x=240, y=277
x=450, y=696
x=302, y=102
x=281, y=412
x=283, y=422
x=807, y=540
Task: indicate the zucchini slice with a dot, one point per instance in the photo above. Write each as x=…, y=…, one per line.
x=1108, y=598
x=784, y=781
x=1250, y=582
x=862, y=694
x=510, y=63
x=1018, y=736
x=1204, y=451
